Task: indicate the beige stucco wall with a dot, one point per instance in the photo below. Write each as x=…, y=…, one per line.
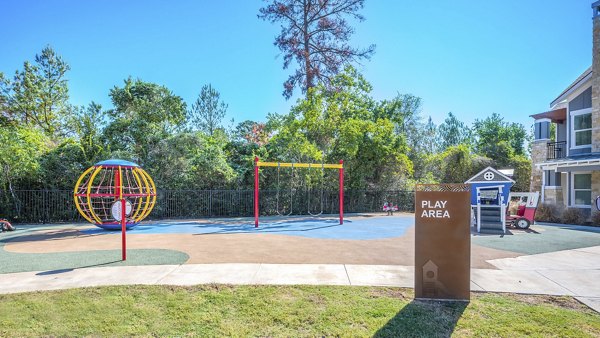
x=595, y=189
x=565, y=190
x=554, y=195
x=539, y=153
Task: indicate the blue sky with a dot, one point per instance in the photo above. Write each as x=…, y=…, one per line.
x=473, y=58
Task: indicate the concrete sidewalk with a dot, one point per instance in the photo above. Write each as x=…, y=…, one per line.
x=578, y=283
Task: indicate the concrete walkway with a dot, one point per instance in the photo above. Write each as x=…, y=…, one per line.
x=570, y=273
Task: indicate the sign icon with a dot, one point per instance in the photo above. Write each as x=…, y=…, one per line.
x=116, y=209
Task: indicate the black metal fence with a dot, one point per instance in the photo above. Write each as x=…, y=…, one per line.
x=556, y=150
x=44, y=206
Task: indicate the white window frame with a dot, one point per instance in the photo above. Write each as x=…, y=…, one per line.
x=572, y=127
x=572, y=188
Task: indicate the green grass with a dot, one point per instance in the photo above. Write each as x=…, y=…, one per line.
x=286, y=311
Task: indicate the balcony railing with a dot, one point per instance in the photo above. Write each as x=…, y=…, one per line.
x=556, y=150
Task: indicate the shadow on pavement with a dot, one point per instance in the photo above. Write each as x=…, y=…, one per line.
x=52, y=235
x=59, y=271
x=266, y=228
x=424, y=319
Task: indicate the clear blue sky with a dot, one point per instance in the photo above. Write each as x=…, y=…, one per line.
x=473, y=58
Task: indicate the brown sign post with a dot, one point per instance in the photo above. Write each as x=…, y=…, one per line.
x=443, y=241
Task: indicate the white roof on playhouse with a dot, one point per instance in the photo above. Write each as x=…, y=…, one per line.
x=490, y=175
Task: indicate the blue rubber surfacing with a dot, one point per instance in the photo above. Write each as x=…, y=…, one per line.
x=359, y=228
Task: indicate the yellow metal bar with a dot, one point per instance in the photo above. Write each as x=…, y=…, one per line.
x=151, y=189
x=120, y=185
x=140, y=202
x=89, y=191
x=76, y=198
x=299, y=165
x=147, y=203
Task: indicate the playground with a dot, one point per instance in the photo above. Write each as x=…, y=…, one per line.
x=370, y=239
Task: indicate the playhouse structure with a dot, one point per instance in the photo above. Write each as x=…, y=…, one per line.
x=490, y=191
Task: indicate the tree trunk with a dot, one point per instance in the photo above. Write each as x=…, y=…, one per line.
x=308, y=68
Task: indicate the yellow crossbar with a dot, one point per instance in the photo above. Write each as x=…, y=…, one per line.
x=299, y=165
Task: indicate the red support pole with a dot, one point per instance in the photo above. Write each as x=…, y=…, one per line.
x=119, y=193
x=342, y=192
x=123, y=229
x=256, y=192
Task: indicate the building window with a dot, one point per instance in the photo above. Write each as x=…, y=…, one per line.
x=582, y=128
x=552, y=179
x=542, y=129
x=582, y=189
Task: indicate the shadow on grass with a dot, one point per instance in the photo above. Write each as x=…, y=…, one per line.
x=421, y=318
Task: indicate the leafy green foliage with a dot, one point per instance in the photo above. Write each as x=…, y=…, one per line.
x=144, y=114
x=522, y=174
x=60, y=165
x=498, y=139
x=385, y=144
x=453, y=132
x=191, y=161
x=345, y=124
x=20, y=150
x=208, y=111
x=87, y=125
x=38, y=94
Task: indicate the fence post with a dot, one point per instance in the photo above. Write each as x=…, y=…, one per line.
x=56, y=205
x=210, y=203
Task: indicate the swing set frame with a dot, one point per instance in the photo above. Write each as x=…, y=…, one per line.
x=323, y=166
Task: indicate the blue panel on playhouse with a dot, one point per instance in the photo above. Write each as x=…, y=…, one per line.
x=490, y=179
x=488, y=186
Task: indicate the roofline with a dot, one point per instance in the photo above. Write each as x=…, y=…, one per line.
x=550, y=115
x=494, y=170
x=571, y=162
x=586, y=75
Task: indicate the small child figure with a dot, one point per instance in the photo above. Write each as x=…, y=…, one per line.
x=389, y=208
x=6, y=226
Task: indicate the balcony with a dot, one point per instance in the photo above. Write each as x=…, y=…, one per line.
x=556, y=150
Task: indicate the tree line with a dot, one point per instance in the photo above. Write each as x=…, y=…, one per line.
x=46, y=142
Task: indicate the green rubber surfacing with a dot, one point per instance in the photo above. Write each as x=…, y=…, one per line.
x=21, y=262
x=551, y=237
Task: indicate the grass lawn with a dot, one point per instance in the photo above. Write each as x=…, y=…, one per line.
x=288, y=311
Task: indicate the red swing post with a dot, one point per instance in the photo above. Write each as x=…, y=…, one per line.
x=256, y=191
x=342, y=192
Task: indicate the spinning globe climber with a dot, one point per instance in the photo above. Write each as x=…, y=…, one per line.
x=100, y=190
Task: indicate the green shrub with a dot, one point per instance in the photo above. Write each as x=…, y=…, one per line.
x=547, y=212
x=596, y=218
x=573, y=216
